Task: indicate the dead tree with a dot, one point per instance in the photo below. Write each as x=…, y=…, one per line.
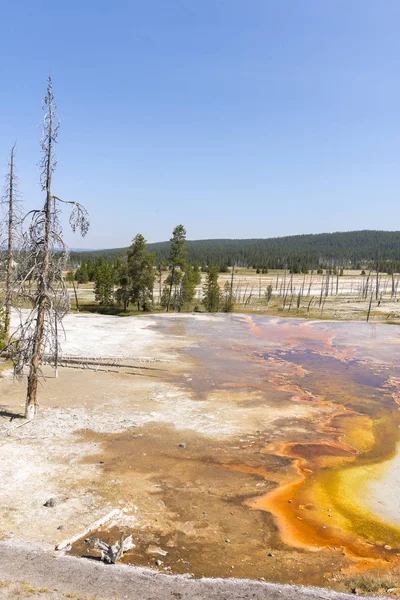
x=298, y=301
x=111, y=554
x=11, y=202
x=290, y=303
x=46, y=258
x=369, y=307
x=328, y=272
x=367, y=285
x=76, y=295
x=377, y=280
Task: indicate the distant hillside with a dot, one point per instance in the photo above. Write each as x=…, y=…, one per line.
x=345, y=248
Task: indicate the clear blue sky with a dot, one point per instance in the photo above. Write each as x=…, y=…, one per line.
x=237, y=118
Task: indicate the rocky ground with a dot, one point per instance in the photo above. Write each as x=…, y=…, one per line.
x=30, y=572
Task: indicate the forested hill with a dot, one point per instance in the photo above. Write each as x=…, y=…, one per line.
x=345, y=248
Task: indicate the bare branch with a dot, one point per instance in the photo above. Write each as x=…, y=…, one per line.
x=79, y=217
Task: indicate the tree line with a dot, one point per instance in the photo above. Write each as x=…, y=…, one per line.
x=299, y=253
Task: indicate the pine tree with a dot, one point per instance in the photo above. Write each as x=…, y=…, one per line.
x=177, y=263
x=191, y=278
x=82, y=275
x=141, y=273
x=103, y=285
x=228, y=298
x=123, y=293
x=211, y=291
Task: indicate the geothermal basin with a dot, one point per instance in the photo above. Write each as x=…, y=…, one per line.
x=232, y=445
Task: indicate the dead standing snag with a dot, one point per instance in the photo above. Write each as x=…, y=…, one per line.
x=11, y=201
x=42, y=282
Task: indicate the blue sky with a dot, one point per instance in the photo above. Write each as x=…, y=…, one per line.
x=237, y=118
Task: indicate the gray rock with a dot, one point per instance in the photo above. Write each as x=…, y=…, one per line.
x=51, y=502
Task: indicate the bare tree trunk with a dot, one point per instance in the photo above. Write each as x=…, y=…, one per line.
x=33, y=378
x=309, y=287
x=9, y=266
x=290, y=303
x=56, y=346
x=43, y=300
x=76, y=297
x=170, y=288
x=365, y=293
x=369, y=307
x=284, y=300
x=322, y=290
x=298, y=301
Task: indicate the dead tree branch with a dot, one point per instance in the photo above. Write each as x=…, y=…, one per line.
x=112, y=554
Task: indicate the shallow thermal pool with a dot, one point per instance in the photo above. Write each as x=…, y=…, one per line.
x=300, y=455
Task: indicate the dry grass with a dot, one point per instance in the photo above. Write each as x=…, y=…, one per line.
x=26, y=591
x=28, y=588
x=250, y=290
x=371, y=583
